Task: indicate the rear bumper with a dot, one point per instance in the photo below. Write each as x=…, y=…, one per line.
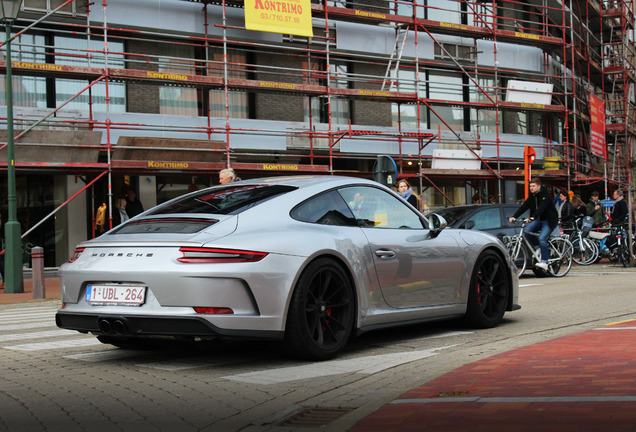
x=123, y=325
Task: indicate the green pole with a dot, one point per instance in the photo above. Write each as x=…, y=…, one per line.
x=14, y=281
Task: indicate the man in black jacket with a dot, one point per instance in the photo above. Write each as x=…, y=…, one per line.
x=619, y=212
x=133, y=205
x=543, y=218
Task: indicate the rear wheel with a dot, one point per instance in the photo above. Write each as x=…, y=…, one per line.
x=321, y=313
x=489, y=291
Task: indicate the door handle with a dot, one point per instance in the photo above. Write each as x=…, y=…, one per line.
x=385, y=253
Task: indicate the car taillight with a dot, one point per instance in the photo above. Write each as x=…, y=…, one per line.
x=213, y=310
x=194, y=255
x=76, y=254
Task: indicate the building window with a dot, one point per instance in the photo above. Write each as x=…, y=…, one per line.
x=238, y=102
x=175, y=100
x=28, y=91
x=482, y=15
x=81, y=52
x=446, y=87
x=453, y=51
x=444, y=10
x=406, y=114
x=318, y=107
x=483, y=120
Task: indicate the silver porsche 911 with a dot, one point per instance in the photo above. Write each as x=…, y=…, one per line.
x=308, y=261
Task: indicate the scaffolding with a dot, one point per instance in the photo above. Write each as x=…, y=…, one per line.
x=459, y=99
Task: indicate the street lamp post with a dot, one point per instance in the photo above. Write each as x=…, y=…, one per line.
x=14, y=282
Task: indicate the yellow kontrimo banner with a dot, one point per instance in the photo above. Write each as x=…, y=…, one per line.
x=279, y=16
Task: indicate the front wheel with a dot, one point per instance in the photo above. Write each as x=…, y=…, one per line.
x=585, y=251
x=321, y=312
x=560, y=260
x=518, y=255
x=623, y=254
x=489, y=291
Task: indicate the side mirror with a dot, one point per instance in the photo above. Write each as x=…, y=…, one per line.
x=469, y=225
x=436, y=224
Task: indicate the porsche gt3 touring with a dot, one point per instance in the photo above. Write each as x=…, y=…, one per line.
x=307, y=261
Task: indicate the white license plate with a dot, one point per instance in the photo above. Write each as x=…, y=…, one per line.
x=119, y=295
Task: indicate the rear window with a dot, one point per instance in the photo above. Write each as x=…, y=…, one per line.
x=227, y=200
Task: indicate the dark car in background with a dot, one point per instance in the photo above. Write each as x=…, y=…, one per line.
x=491, y=218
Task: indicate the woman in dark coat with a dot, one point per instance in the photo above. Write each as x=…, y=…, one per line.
x=406, y=192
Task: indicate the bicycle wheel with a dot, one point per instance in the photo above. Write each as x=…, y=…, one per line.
x=623, y=255
x=517, y=254
x=584, y=252
x=560, y=260
x=594, y=246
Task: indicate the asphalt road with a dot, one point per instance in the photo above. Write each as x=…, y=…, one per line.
x=54, y=380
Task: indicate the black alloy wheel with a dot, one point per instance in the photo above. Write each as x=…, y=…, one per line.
x=489, y=291
x=321, y=314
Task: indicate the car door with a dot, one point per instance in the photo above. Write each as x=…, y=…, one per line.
x=414, y=268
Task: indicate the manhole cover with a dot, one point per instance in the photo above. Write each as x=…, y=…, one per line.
x=314, y=417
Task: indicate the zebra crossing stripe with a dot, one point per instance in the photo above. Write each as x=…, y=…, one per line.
x=30, y=309
x=73, y=343
x=22, y=318
x=34, y=335
x=29, y=325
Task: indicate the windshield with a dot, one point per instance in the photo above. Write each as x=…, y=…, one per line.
x=452, y=214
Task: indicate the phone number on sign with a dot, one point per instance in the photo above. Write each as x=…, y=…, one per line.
x=280, y=18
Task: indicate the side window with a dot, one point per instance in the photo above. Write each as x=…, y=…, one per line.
x=325, y=209
x=373, y=207
x=510, y=211
x=486, y=219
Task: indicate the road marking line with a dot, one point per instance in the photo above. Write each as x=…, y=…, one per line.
x=13, y=318
x=449, y=334
x=180, y=365
x=363, y=365
x=619, y=322
x=28, y=308
x=516, y=399
x=30, y=325
x=616, y=328
x=527, y=285
x=54, y=345
x=108, y=355
x=35, y=335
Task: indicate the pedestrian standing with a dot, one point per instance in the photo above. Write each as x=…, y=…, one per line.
x=619, y=212
x=133, y=205
x=595, y=209
x=228, y=175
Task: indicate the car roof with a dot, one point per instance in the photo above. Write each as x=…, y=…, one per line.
x=303, y=181
x=477, y=206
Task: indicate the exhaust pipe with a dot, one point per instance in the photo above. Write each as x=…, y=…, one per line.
x=104, y=326
x=119, y=327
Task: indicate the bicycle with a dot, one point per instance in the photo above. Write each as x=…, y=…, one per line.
x=622, y=246
x=585, y=250
x=613, y=244
x=559, y=261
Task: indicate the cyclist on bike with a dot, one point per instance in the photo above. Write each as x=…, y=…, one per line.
x=543, y=219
